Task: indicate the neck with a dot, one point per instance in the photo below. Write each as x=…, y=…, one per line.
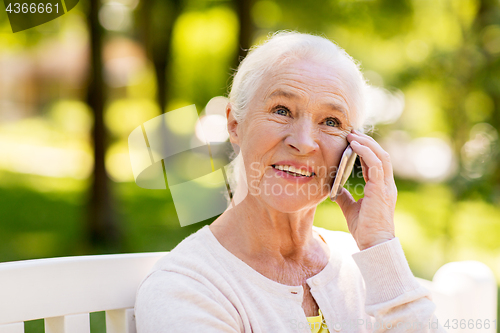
x=254, y=230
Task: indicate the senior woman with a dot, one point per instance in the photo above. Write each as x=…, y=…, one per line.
x=296, y=102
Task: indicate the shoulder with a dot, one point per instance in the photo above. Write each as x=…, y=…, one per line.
x=182, y=290
x=172, y=302
x=190, y=257
x=162, y=289
x=197, y=260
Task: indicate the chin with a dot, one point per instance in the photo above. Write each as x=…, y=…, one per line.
x=290, y=203
x=288, y=207
x=288, y=197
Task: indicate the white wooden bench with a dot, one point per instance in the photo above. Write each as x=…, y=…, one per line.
x=63, y=291
x=465, y=293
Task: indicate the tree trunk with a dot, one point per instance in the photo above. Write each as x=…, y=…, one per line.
x=102, y=228
x=245, y=37
x=157, y=22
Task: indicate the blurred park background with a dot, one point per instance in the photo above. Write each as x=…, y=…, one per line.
x=73, y=89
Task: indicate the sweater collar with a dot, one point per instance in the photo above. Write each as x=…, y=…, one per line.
x=243, y=270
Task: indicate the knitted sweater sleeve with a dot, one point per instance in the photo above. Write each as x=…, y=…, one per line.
x=394, y=298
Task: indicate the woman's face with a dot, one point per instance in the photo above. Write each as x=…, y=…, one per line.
x=299, y=117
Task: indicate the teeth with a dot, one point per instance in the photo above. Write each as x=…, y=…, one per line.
x=292, y=169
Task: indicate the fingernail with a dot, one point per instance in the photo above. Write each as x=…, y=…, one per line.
x=354, y=142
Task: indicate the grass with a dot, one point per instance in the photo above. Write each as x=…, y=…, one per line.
x=51, y=223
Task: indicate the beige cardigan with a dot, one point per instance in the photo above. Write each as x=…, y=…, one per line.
x=202, y=287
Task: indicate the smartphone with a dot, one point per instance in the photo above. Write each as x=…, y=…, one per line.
x=343, y=171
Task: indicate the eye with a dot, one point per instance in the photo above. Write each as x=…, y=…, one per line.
x=282, y=110
x=333, y=122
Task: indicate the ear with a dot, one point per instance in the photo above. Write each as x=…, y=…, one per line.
x=232, y=125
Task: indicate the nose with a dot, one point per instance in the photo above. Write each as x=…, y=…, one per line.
x=302, y=137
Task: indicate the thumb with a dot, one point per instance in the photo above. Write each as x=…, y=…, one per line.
x=345, y=201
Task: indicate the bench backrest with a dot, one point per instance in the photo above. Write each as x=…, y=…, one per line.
x=65, y=290
x=465, y=294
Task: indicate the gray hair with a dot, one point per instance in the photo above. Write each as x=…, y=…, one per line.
x=280, y=48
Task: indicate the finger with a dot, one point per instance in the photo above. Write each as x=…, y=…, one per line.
x=374, y=166
x=364, y=168
x=382, y=155
x=375, y=146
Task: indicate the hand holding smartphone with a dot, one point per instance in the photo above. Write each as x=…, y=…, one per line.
x=343, y=171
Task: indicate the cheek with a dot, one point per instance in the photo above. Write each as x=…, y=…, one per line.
x=262, y=135
x=332, y=154
x=257, y=149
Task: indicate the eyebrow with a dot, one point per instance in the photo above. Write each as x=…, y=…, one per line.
x=288, y=94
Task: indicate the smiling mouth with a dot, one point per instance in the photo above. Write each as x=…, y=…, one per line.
x=293, y=171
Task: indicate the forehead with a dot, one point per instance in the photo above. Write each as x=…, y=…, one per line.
x=307, y=80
